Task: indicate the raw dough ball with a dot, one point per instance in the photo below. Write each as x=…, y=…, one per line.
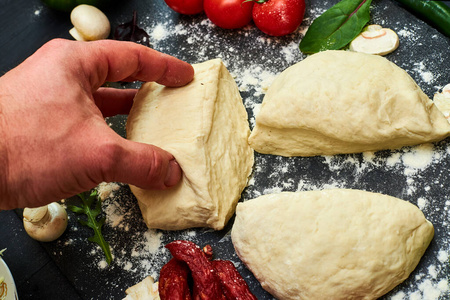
x=204, y=125
x=331, y=244
x=344, y=102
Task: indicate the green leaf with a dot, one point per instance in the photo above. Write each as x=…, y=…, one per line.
x=92, y=208
x=76, y=209
x=337, y=26
x=68, y=5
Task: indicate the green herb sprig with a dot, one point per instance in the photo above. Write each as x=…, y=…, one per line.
x=337, y=26
x=92, y=207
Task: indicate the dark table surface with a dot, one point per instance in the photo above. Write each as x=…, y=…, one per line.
x=72, y=268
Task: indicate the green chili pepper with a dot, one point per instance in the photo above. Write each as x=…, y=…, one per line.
x=434, y=12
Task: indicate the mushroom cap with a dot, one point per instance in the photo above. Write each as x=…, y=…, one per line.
x=375, y=40
x=45, y=223
x=89, y=22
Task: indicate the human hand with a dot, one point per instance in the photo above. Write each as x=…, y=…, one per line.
x=55, y=142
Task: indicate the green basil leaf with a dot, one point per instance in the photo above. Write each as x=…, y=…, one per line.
x=337, y=26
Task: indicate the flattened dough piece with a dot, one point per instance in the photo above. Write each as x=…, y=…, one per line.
x=336, y=102
x=205, y=126
x=331, y=244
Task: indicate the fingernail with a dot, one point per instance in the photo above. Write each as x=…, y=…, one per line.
x=173, y=174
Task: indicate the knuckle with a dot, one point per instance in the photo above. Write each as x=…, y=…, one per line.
x=109, y=155
x=157, y=167
x=55, y=44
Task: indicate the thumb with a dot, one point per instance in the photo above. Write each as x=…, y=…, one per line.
x=145, y=166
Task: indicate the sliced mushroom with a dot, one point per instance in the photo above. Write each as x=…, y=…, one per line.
x=375, y=40
x=45, y=223
x=442, y=101
x=90, y=23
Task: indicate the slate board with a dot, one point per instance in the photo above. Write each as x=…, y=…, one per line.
x=252, y=57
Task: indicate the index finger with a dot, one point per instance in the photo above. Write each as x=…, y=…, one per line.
x=109, y=60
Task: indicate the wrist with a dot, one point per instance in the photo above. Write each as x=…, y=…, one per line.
x=3, y=158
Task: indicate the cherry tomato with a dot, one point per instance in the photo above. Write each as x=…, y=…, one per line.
x=278, y=17
x=229, y=14
x=186, y=7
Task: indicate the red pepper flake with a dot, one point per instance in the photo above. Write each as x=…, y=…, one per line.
x=208, y=252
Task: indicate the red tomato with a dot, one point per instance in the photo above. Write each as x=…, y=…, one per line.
x=278, y=17
x=229, y=14
x=186, y=7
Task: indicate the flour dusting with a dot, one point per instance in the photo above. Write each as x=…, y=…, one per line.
x=407, y=173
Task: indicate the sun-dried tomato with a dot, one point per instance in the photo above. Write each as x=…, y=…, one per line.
x=206, y=283
x=233, y=285
x=173, y=281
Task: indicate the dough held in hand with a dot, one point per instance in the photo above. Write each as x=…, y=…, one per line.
x=331, y=244
x=336, y=102
x=205, y=126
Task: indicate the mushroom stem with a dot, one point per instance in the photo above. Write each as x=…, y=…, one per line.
x=373, y=34
x=375, y=40
x=37, y=216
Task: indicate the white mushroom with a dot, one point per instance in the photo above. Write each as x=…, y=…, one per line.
x=375, y=40
x=442, y=101
x=45, y=223
x=90, y=23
